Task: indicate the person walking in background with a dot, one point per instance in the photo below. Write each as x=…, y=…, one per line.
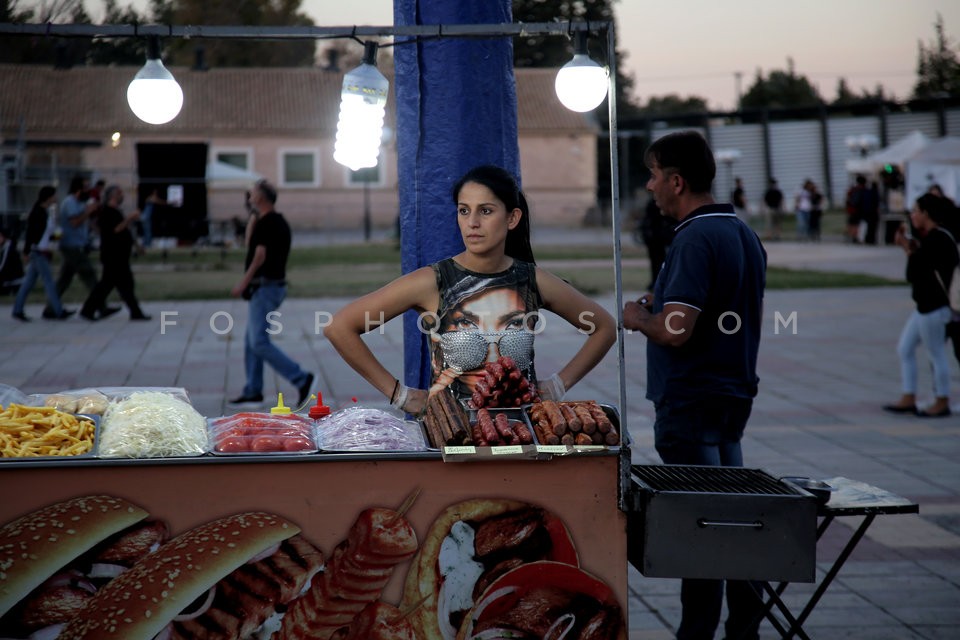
x=657, y=232
x=816, y=211
x=739, y=199
x=116, y=246
x=11, y=266
x=701, y=363
x=870, y=212
x=931, y=258
x=264, y=284
x=36, y=249
x=802, y=206
x=75, y=214
x=146, y=217
x=854, y=207
x=773, y=201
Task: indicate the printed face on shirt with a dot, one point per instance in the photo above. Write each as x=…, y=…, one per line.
x=484, y=327
x=483, y=218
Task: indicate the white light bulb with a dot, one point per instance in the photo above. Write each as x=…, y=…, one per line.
x=153, y=94
x=581, y=84
x=363, y=101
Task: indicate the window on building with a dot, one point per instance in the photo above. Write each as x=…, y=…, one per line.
x=299, y=168
x=239, y=158
x=371, y=176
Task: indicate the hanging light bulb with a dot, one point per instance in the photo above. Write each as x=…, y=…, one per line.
x=581, y=84
x=153, y=94
x=363, y=100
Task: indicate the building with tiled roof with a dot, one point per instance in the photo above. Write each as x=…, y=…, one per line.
x=244, y=122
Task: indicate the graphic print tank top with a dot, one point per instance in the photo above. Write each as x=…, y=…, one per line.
x=483, y=316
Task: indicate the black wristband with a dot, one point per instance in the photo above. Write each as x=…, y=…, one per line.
x=396, y=385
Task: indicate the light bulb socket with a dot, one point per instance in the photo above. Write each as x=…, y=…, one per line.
x=153, y=48
x=370, y=53
x=580, y=42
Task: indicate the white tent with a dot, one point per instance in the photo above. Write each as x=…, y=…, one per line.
x=222, y=173
x=896, y=154
x=937, y=163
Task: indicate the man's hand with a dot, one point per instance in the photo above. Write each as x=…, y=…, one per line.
x=636, y=313
x=237, y=290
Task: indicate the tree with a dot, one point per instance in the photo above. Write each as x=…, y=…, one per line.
x=781, y=89
x=62, y=52
x=938, y=70
x=245, y=52
x=553, y=52
x=673, y=104
x=844, y=94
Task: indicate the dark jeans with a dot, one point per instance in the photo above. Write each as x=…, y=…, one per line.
x=115, y=275
x=708, y=432
x=76, y=261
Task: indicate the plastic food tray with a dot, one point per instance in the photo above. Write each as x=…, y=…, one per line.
x=514, y=414
x=360, y=447
x=562, y=449
x=89, y=454
x=217, y=429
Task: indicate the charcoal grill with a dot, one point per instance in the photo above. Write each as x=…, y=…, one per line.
x=731, y=523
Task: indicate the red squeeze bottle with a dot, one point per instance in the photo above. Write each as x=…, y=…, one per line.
x=319, y=410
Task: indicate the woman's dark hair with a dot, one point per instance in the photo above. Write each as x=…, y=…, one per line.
x=504, y=186
x=76, y=183
x=687, y=154
x=937, y=208
x=45, y=193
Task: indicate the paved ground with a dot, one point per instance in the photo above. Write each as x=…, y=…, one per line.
x=827, y=363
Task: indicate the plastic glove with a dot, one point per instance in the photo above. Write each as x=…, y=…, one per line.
x=552, y=388
x=409, y=400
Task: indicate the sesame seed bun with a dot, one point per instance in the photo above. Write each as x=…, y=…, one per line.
x=38, y=544
x=139, y=603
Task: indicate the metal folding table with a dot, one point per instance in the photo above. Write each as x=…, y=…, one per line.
x=849, y=498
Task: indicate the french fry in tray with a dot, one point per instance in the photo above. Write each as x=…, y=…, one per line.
x=30, y=432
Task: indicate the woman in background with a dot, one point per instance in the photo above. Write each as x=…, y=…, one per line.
x=931, y=258
x=36, y=248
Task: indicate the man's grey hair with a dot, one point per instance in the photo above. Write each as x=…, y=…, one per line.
x=109, y=192
x=268, y=190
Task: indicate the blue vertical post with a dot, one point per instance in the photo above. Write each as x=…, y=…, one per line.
x=456, y=109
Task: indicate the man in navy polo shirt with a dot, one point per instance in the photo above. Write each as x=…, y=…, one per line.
x=702, y=324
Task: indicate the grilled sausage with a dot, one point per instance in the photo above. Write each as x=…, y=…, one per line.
x=570, y=416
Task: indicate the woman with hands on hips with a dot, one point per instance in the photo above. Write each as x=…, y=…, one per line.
x=479, y=305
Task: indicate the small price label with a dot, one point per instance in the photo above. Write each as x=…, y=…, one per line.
x=552, y=448
x=459, y=450
x=504, y=451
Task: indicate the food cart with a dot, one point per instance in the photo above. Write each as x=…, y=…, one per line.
x=573, y=490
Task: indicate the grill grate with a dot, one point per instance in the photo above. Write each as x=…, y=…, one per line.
x=700, y=479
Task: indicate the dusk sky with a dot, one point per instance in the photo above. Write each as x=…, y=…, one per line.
x=695, y=47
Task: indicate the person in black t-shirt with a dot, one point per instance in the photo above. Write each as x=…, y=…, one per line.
x=116, y=245
x=773, y=199
x=931, y=259
x=264, y=284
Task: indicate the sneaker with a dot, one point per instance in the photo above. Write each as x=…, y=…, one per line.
x=247, y=401
x=21, y=316
x=304, y=389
